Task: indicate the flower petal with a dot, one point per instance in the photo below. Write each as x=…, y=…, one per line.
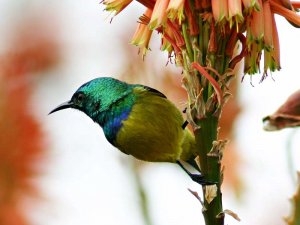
x=159, y=15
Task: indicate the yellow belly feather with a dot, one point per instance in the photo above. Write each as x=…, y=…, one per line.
x=153, y=131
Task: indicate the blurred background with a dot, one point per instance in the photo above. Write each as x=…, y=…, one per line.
x=60, y=170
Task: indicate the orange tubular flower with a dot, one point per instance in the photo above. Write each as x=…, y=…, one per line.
x=143, y=34
x=285, y=3
x=175, y=10
x=235, y=12
x=175, y=33
x=250, y=4
x=116, y=5
x=220, y=10
x=288, y=14
x=276, y=50
x=194, y=28
x=257, y=23
x=268, y=33
x=159, y=15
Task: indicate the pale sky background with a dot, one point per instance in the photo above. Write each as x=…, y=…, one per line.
x=87, y=181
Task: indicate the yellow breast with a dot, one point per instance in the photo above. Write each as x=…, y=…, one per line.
x=153, y=129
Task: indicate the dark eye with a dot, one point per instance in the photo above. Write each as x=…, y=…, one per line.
x=79, y=98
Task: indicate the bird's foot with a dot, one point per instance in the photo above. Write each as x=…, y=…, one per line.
x=184, y=124
x=198, y=178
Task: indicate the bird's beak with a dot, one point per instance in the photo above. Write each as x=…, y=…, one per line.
x=65, y=105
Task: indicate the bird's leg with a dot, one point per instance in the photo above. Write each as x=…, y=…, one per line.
x=184, y=124
x=198, y=178
x=193, y=163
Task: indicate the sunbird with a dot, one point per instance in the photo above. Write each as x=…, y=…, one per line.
x=138, y=120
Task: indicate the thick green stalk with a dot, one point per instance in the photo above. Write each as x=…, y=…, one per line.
x=210, y=167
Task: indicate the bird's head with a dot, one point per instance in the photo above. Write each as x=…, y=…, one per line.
x=96, y=96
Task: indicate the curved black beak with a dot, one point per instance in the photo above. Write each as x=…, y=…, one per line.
x=64, y=105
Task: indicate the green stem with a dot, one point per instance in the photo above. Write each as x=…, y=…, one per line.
x=141, y=194
x=210, y=167
x=187, y=42
x=289, y=157
x=221, y=60
x=197, y=53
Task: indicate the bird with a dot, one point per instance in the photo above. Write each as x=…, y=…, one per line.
x=138, y=120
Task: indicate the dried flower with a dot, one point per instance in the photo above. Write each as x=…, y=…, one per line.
x=288, y=115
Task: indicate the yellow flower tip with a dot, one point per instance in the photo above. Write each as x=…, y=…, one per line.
x=220, y=10
x=142, y=35
x=236, y=20
x=252, y=59
x=235, y=10
x=235, y=14
x=159, y=14
x=175, y=10
x=250, y=5
x=174, y=14
x=116, y=5
x=166, y=46
x=270, y=63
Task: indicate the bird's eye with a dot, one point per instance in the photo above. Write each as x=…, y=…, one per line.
x=80, y=97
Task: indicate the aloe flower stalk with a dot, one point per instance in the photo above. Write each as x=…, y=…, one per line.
x=201, y=35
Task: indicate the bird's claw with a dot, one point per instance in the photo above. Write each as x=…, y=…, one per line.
x=198, y=178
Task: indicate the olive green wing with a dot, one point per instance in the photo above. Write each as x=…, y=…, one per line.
x=151, y=90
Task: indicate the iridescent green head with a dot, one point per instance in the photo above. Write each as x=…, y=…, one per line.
x=96, y=96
